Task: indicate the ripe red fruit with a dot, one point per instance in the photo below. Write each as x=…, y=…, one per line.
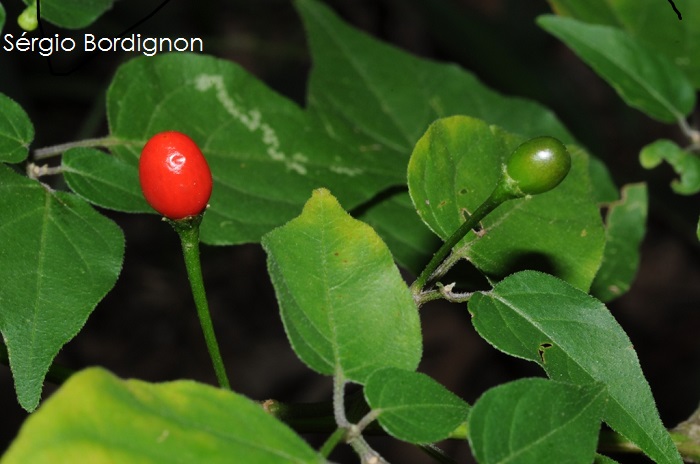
x=174, y=175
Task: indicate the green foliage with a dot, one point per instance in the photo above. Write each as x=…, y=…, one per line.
x=104, y=180
x=251, y=136
x=72, y=14
x=16, y=131
x=600, y=459
x=389, y=97
x=414, y=407
x=650, y=56
x=410, y=148
x=140, y=422
x=454, y=168
x=375, y=98
x=686, y=164
x=591, y=11
x=537, y=420
x=2, y=17
x=625, y=226
x=64, y=258
x=405, y=234
x=575, y=339
x=659, y=28
x=344, y=305
x=603, y=189
x=651, y=22
x=643, y=78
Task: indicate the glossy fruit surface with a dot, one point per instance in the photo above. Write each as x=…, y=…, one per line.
x=537, y=165
x=174, y=175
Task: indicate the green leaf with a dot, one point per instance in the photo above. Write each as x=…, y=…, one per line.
x=603, y=188
x=344, y=304
x=64, y=257
x=624, y=231
x=686, y=164
x=652, y=22
x=2, y=17
x=394, y=218
x=265, y=154
x=72, y=14
x=98, y=418
x=600, y=459
x=16, y=130
x=412, y=242
x=657, y=25
x=413, y=407
x=575, y=339
x=537, y=420
x=105, y=180
x=378, y=100
x=590, y=11
x=455, y=167
x=643, y=78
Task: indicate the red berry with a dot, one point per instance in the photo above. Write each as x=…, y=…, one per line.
x=175, y=177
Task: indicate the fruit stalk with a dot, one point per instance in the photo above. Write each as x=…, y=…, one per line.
x=188, y=230
x=430, y=273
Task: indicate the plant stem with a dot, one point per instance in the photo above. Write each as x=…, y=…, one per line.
x=610, y=441
x=688, y=446
x=34, y=171
x=690, y=132
x=365, y=452
x=48, y=152
x=434, y=270
x=367, y=419
x=341, y=419
x=188, y=230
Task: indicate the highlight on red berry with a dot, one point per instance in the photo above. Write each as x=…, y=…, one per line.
x=175, y=177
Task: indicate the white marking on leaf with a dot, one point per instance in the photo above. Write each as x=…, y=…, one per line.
x=251, y=120
x=351, y=172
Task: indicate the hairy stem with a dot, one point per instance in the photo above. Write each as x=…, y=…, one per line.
x=367, y=419
x=690, y=132
x=55, y=150
x=341, y=419
x=34, y=171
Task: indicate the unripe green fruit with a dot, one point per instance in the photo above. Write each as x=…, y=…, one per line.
x=536, y=166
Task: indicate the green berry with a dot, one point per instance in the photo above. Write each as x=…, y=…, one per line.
x=27, y=20
x=536, y=166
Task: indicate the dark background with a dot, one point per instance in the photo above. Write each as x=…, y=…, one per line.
x=147, y=328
